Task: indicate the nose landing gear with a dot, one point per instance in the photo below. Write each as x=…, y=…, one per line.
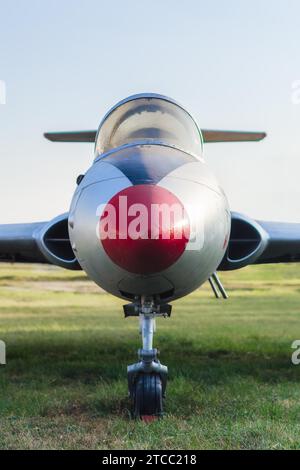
x=147, y=379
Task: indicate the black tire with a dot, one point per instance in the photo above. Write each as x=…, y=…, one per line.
x=147, y=396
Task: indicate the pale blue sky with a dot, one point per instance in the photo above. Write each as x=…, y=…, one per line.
x=230, y=63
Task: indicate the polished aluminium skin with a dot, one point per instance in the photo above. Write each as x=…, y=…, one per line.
x=198, y=190
x=189, y=179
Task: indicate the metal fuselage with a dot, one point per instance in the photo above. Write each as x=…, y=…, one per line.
x=162, y=267
x=149, y=222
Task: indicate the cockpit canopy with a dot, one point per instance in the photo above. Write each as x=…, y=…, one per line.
x=148, y=119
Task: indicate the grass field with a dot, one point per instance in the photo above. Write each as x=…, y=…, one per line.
x=231, y=380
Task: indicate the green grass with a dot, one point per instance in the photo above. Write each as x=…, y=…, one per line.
x=231, y=381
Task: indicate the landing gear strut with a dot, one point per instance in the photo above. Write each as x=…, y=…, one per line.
x=147, y=379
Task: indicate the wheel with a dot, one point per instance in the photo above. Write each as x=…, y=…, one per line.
x=147, y=399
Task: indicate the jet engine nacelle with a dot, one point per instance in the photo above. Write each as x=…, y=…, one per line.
x=54, y=244
x=248, y=240
x=129, y=259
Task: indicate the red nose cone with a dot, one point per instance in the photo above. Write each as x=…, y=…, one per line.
x=144, y=229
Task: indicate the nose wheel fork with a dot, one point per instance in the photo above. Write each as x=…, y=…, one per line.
x=147, y=379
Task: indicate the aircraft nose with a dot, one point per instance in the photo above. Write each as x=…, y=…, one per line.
x=144, y=229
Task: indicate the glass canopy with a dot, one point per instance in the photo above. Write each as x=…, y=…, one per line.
x=148, y=119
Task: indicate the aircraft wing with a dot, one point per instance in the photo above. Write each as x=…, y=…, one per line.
x=40, y=242
x=283, y=245
x=260, y=242
x=18, y=243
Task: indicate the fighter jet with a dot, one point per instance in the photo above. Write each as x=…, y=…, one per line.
x=149, y=223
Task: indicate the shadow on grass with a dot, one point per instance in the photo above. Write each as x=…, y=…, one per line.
x=82, y=367
x=66, y=357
